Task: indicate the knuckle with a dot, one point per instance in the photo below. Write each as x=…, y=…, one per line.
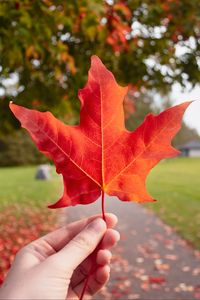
x=83, y=241
x=20, y=254
x=22, y=251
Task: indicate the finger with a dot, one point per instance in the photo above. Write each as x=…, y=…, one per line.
x=110, y=239
x=103, y=257
x=56, y=240
x=95, y=282
x=81, y=246
x=99, y=279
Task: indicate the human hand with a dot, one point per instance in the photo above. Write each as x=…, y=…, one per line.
x=56, y=266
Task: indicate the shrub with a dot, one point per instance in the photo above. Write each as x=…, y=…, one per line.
x=18, y=149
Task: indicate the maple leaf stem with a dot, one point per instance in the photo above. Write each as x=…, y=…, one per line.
x=103, y=205
x=92, y=268
x=85, y=286
x=91, y=271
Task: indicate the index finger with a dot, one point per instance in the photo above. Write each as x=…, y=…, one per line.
x=60, y=237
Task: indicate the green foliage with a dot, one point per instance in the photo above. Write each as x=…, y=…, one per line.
x=18, y=149
x=143, y=105
x=48, y=45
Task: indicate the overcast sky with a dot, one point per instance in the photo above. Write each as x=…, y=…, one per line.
x=192, y=115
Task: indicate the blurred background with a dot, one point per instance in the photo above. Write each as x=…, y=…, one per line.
x=45, y=49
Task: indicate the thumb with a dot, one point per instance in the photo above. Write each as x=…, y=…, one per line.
x=82, y=245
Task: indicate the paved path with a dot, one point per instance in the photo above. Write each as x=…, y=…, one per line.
x=151, y=261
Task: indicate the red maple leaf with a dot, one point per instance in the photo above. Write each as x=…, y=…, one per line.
x=100, y=154
x=156, y=279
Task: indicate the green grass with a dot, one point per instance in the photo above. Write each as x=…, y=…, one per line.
x=175, y=183
x=18, y=185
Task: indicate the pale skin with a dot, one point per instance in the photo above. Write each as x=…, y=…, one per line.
x=56, y=265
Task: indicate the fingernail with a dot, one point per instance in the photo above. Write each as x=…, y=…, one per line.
x=98, y=224
x=117, y=236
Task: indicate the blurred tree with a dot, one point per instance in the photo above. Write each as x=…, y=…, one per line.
x=46, y=45
x=144, y=103
x=18, y=149
x=185, y=135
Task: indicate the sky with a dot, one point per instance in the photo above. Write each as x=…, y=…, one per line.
x=192, y=114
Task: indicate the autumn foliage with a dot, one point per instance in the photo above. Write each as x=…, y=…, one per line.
x=100, y=155
x=127, y=34
x=18, y=228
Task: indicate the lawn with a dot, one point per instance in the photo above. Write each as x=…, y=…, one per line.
x=18, y=185
x=175, y=183
x=24, y=215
